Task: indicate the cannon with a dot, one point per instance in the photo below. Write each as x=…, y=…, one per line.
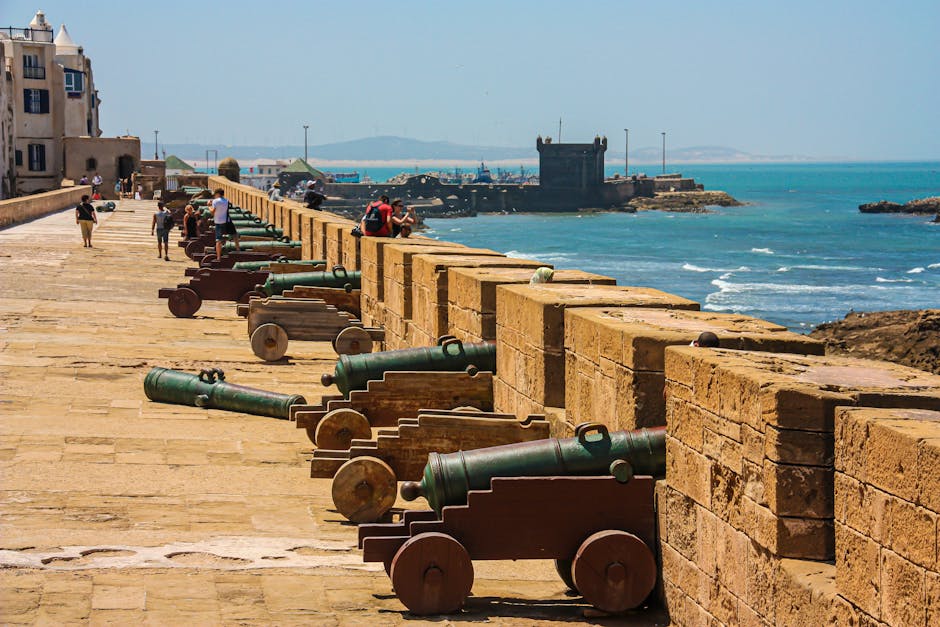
x=274, y=321
x=592, y=451
x=238, y=256
x=600, y=530
x=353, y=372
x=210, y=390
x=365, y=474
x=336, y=421
x=283, y=242
x=211, y=284
x=259, y=231
x=264, y=265
x=337, y=277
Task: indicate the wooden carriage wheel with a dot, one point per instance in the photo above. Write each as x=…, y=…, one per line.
x=563, y=568
x=205, y=261
x=247, y=296
x=353, y=341
x=614, y=570
x=364, y=489
x=269, y=342
x=184, y=302
x=432, y=574
x=338, y=428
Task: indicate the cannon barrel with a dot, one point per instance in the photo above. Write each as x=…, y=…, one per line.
x=353, y=372
x=210, y=390
x=593, y=451
x=258, y=265
x=337, y=277
x=258, y=231
x=228, y=247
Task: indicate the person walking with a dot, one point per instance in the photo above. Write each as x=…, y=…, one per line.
x=223, y=226
x=96, y=181
x=190, y=223
x=162, y=222
x=86, y=218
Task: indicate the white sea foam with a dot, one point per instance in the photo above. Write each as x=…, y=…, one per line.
x=727, y=287
x=934, y=266
x=456, y=229
x=916, y=270
x=783, y=269
x=548, y=257
x=884, y=280
x=765, y=251
x=691, y=267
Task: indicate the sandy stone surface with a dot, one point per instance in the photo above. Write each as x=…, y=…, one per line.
x=116, y=510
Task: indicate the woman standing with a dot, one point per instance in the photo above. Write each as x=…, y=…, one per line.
x=86, y=217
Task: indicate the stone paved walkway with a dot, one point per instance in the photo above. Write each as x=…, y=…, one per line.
x=115, y=510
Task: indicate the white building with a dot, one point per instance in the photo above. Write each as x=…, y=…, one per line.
x=52, y=93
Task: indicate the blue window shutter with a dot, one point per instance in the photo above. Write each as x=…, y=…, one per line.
x=44, y=101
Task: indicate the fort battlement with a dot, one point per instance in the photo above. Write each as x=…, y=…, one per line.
x=801, y=489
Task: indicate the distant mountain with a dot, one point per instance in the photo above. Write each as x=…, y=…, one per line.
x=391, y=148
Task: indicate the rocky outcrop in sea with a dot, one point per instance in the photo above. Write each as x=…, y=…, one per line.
x=685, y=202
x=918, y=206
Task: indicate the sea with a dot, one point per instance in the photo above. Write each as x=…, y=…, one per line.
x=798, y=253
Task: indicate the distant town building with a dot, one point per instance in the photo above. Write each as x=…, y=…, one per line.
x=298, y=172
x=49, y=95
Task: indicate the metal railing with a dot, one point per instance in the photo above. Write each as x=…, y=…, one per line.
x=30, y=34
x=33, y=71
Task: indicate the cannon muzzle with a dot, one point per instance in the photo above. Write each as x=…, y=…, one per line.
x=592, y=451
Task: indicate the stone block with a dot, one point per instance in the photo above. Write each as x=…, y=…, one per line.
x=903, y=595
x=335, y=241
x=858, y=570
x=306, y=236
x=806, y=591
x=351, y=257
x=371, y=259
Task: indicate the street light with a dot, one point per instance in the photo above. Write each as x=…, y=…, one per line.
x=156, y=155
x=626, y=155
x=664, y=151
x=306, y=126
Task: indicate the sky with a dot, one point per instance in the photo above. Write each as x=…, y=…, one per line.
x=831, y=79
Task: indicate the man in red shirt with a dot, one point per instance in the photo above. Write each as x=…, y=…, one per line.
x=378, y=219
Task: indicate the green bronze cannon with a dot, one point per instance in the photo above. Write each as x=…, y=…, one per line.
x=258, y=265
x=338, y=277
x=353, y=372
x=259, y=231
x=282, y=242
x=593, y=451
x=210, y=390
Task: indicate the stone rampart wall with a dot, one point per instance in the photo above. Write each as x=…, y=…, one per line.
x=25, y=208
x=800, y=489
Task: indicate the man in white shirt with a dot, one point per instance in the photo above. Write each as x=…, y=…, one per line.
x=223, y=226
x=96, y=181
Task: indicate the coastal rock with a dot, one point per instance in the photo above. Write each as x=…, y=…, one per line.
x=917, y=206
x=685, y=202
x=908, y=337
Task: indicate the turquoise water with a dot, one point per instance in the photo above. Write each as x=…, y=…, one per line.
x=799, y=253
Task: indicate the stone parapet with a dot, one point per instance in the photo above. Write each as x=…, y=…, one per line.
x=530, y=332
x=26, y=208
x=614, y=357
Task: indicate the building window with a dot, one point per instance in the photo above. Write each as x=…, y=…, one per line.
x=36, y=100
x=37, y=157
x=18, y=156
x=91, y=164
x=74, y=82
x=32, y=67
x=89, y=127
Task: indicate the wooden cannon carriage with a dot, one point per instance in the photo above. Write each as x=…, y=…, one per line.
x=342, y=299
x=337, y=421
x=601, y=532
x=274, y=321
x=365, y=475
x=211, y=284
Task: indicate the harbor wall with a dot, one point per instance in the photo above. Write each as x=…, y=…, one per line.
x=800, y=489
x=26, y=208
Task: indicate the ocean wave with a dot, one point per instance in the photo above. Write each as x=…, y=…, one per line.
x=727, y=287
x=916, y=270
x=844, y=268
x=933, y=266
x=547, y=257
x=765, y=251
x=884, y=280
x=691, y=267
x=454, y=230
x=783, y=269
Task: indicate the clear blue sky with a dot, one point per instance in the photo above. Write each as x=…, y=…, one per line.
x=822, y=79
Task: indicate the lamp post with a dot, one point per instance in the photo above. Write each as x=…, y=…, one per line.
x=664, y=152
x=306, y=126
x=626, y=154
x=156, y=155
